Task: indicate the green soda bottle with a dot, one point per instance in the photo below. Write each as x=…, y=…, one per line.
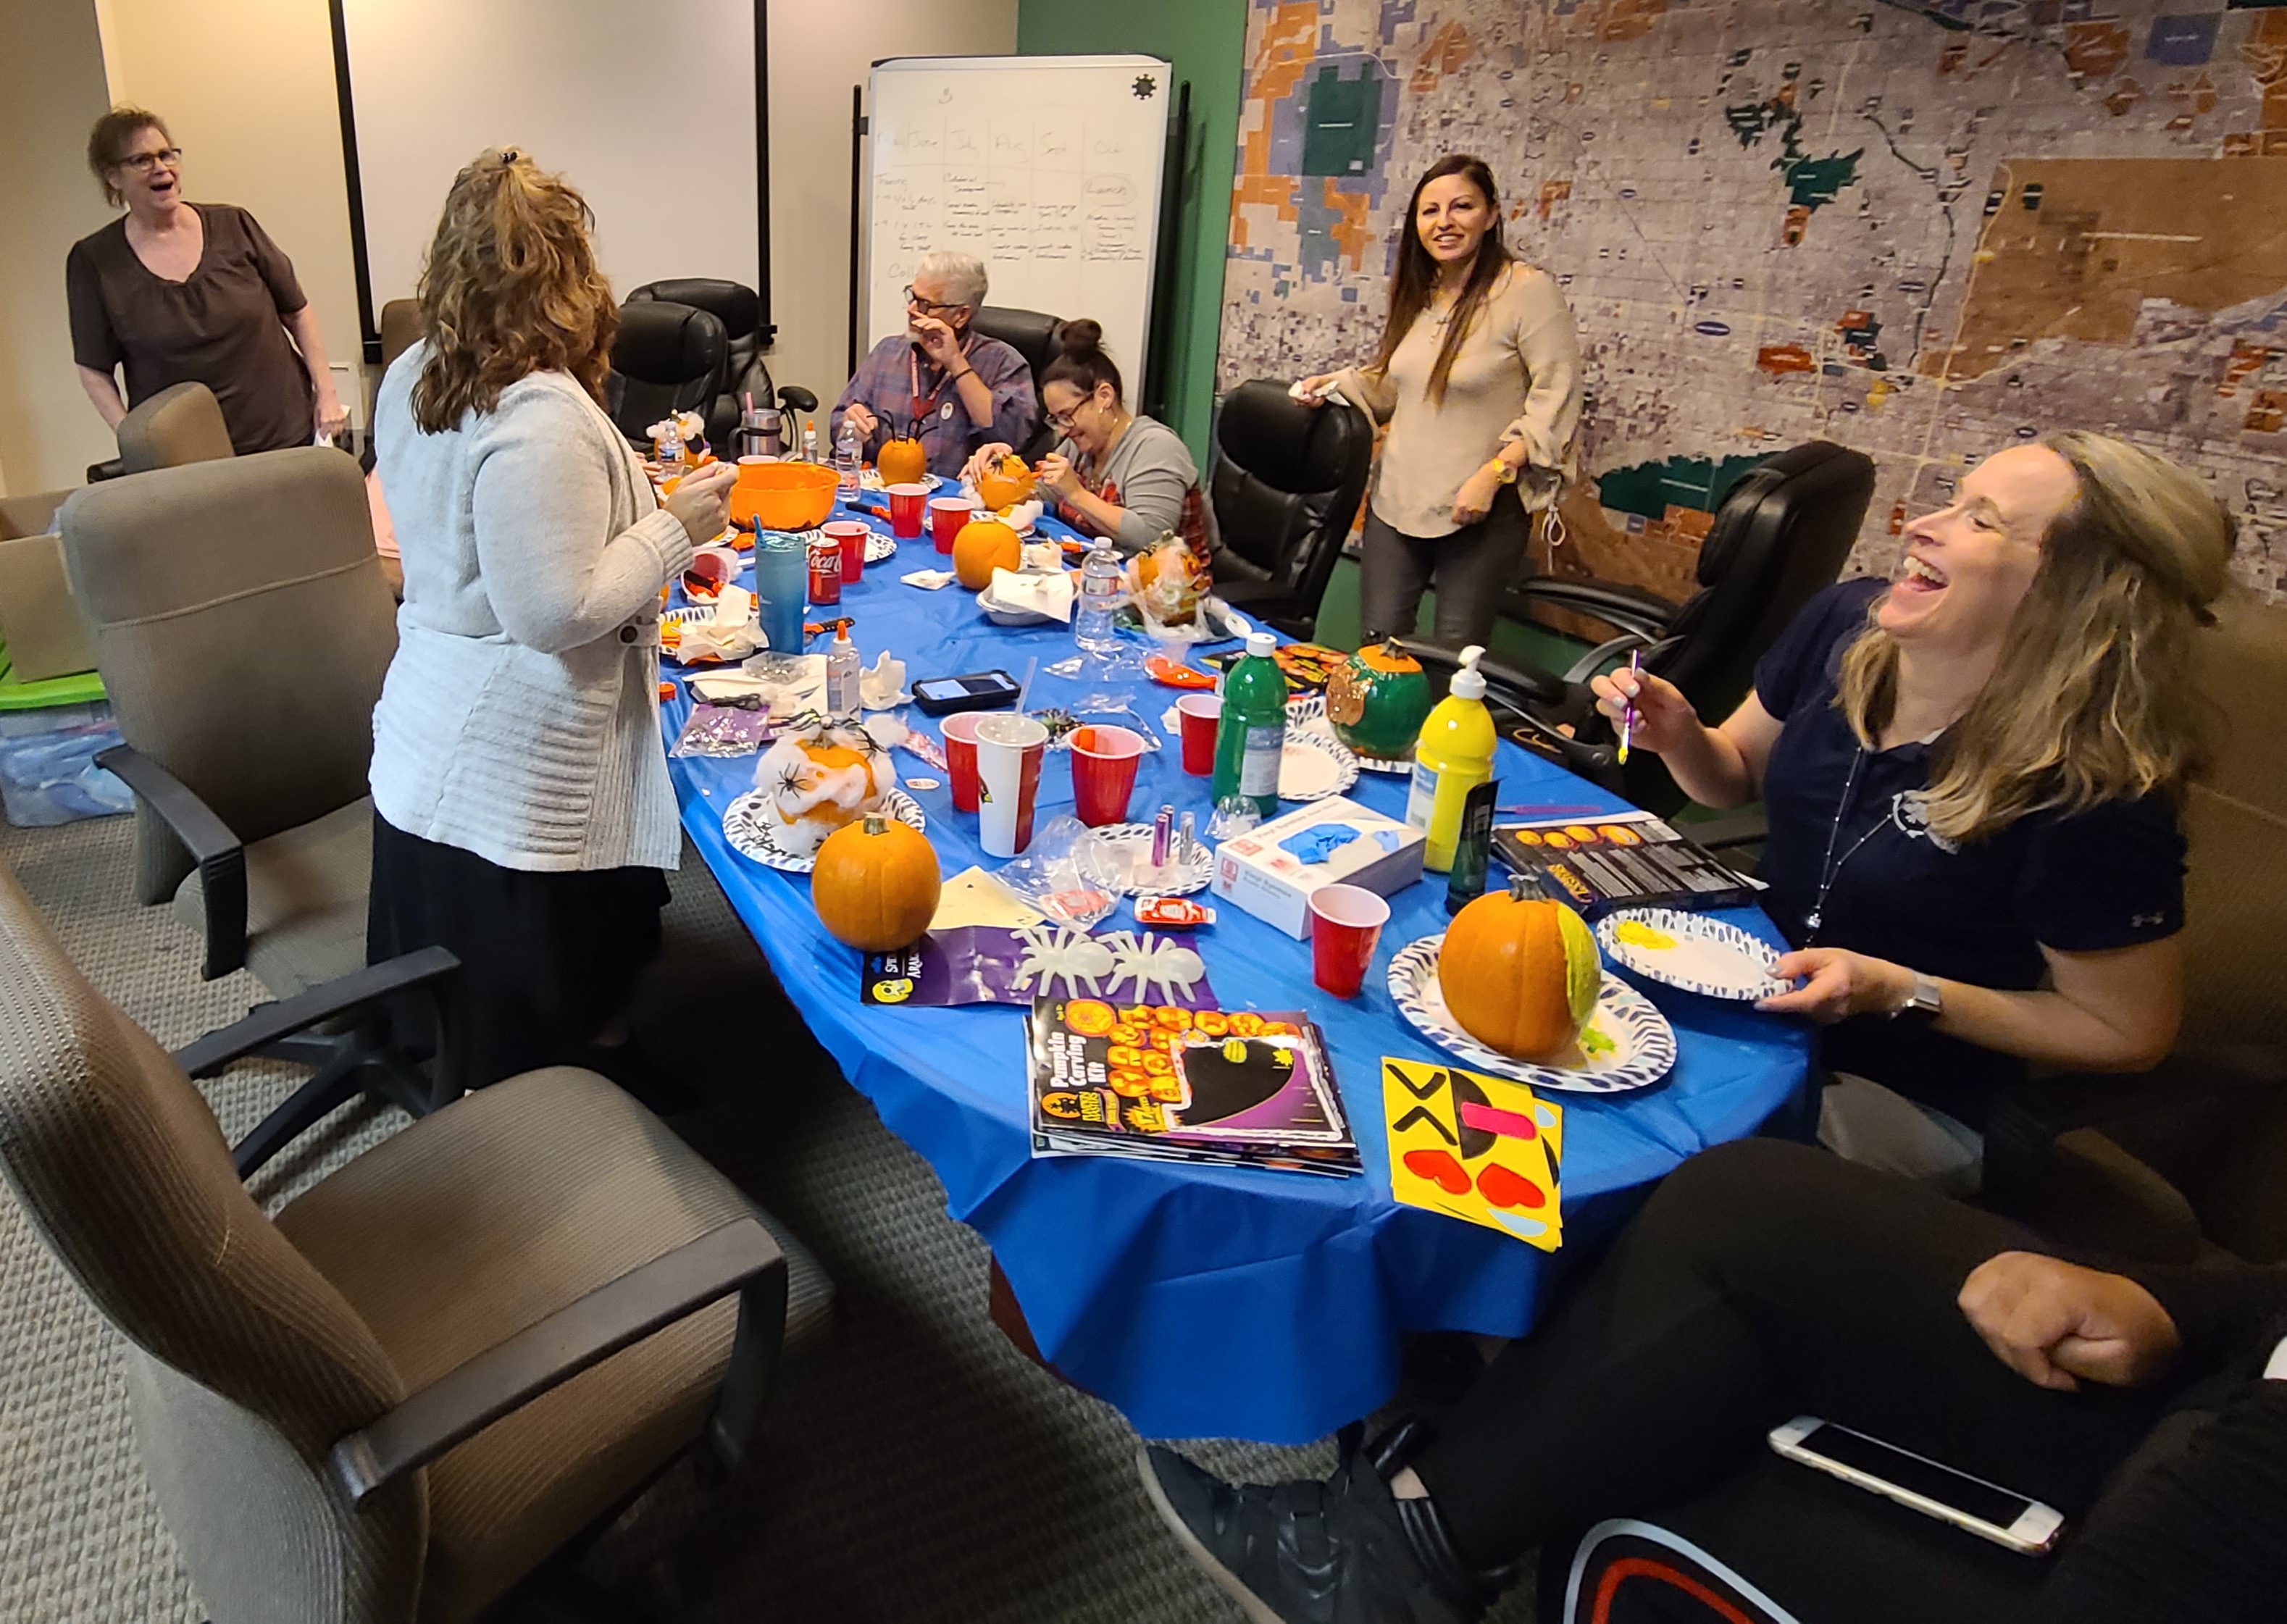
x=1251, y=739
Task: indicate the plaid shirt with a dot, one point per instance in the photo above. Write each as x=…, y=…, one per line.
x=884, y=384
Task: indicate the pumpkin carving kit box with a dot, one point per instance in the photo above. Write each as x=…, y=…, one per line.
x=1271, y=870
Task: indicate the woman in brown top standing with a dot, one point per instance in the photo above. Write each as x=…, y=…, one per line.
x=177, y=293
x=1478, y=378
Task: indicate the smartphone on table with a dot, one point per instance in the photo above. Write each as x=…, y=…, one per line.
x=972, y=691
x=1986, y=1509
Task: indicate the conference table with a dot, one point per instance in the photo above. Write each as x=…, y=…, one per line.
x=1202, y=1302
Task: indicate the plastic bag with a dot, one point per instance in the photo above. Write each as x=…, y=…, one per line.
x=724, y=730
x=1067, y=873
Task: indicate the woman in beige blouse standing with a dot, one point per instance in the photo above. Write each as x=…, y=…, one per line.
x=1479, y=378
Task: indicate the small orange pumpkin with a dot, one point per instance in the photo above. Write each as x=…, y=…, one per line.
x=816, y=781
x=902, y=462
x=1005, y=484
x=875, y=885
x=1519, y=973
x=983, y=546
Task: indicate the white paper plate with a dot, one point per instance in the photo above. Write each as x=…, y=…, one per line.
x=1314, y=766
x=880, y=548
x=1712, y=957
x=1628, y=1042
x=1001, y=615
x=1179, y=882
x=751, y=831
x=871, y=481
x=684, y=617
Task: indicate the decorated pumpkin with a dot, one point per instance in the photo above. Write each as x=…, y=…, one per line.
x=902, y=462
x=1167, y=582
x=1519, y=973
x=1004, y=483
x=816, y=779
x=1377, y=701
x=875, y=885
x=983, y=546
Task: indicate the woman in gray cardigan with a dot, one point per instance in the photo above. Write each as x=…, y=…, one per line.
x=522, y=813
x=1114, y=473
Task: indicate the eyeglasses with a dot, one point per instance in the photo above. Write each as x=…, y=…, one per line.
x=142, y=162
x=929, y=307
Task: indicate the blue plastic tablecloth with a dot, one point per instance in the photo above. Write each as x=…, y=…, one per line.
x=1238, y=1303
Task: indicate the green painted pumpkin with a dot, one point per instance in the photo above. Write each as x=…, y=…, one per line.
x=1377, y=701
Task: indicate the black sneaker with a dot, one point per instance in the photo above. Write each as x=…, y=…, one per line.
x=1303, y=1553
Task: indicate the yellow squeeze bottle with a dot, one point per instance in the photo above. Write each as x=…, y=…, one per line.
x=1454, y=756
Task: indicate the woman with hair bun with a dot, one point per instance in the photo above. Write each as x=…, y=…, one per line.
x=522, y=813
x=1478, y=378
x=1114, y=473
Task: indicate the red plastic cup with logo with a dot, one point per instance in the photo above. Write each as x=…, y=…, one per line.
x=906, y=504
x=1201, y=714
x=1346, y=922
x=1103, y=762
x=825, y=571
x=850, y=535
x=961, y=757
x=946, y=515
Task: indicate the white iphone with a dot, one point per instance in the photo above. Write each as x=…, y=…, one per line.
x=1983, y=1509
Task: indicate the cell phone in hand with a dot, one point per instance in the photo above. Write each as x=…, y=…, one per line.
x=1986, y=1509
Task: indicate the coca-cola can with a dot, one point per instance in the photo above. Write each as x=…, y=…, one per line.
x=825, y=570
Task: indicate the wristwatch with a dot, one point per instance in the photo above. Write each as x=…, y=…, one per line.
x=1499, y=469
x=1923, y=1000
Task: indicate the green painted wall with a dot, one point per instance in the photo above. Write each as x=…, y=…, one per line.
x=1207, y=41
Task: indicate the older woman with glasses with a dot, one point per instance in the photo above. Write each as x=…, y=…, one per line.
x=181, y=293
x=948, y=387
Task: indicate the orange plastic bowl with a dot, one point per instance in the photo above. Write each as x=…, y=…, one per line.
x=783, y=496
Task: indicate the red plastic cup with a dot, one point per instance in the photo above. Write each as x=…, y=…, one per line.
x=850, y=535
x=946, y=515
x=1103, y=762
x=1201, y=715
x=1009, y=752
x=960, y=731
x=905, y=502
x=1346, y=922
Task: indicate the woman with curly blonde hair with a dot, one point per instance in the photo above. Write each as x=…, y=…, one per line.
x=522, y=813
x=1971, y=774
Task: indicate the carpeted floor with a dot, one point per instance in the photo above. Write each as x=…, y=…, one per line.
x=919, y=1470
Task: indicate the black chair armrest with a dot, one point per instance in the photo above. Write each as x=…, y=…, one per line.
x=1624, y=607
x=795, y=398
x=1608, y=651
x=1746, y=828
x=97, y=472
x=220, y=856
x=741, y=1256
x=266, y=1023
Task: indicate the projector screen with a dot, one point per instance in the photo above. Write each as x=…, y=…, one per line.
x=658, y=113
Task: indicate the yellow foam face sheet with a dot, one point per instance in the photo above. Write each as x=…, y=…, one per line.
x=1482, y=1149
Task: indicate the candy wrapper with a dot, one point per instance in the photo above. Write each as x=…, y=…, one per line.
x=724, y=730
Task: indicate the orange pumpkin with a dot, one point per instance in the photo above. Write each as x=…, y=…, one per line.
x=875, y=885
x=1519, y=973
x=983, y=546
x=815, y=782
x=1005, y=484
x=902, y=462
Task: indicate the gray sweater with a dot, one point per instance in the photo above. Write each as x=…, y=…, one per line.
x=520, y=719
x=1151, y=473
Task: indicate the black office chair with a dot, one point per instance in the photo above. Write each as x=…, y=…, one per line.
x=666, y=358
x=745, y=373
x=1032, y=335
x=1780, y=536
x=1286, y=483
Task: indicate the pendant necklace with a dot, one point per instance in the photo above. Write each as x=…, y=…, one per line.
x=1833, y=867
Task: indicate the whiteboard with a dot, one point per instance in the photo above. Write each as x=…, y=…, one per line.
x=1046, y=167
x=432, y=83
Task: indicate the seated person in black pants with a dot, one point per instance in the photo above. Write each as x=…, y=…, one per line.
x=1764, y=1282
x=1971, y=772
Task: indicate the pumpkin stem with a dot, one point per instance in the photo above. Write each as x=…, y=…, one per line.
x=1516, y=889
x=875, y=823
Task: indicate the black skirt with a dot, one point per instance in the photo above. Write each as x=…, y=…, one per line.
x=546, y=959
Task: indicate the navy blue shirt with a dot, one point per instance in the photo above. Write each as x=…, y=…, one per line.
x=1979, y=912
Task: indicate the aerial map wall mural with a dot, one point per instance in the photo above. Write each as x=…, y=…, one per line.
x=1925, y=231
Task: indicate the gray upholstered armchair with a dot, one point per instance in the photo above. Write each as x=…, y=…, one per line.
x=464, y=1350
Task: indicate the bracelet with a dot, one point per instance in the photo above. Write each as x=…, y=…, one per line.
x=964, y=372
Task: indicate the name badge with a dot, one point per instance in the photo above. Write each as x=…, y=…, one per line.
x=944, y=412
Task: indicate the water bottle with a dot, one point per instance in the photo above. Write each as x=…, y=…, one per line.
x=781, y=585
x=847, y=447
x=1103, y=588
x=810, y=442
x=842, y=702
